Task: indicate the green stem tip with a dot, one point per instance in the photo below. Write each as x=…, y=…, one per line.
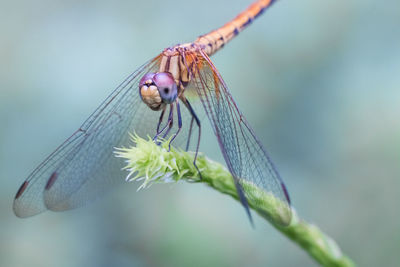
x=151, y=163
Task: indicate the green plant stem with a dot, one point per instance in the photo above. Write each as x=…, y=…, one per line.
x=158, y=165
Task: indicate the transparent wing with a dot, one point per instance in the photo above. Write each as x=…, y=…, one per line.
x=84, y=166
x=244, y=154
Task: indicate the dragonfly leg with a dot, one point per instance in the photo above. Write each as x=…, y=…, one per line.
x=190, y=134
x=160, y=120
x=169, y=123
x=194, y=117
x=178, y=111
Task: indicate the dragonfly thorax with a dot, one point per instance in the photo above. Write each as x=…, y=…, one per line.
x=158, y=90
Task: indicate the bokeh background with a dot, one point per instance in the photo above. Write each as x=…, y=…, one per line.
x=318, y=80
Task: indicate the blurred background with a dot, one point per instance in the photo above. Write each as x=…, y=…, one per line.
x=318, y=81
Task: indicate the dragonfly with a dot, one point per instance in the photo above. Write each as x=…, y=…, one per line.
x=162, y=98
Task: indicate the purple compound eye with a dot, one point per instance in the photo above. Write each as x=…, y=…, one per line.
x=166, y=86
x=146, y=79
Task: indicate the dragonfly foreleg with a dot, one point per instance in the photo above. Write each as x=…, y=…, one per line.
x=160, y=120
x=178, y=111
x=168, y=124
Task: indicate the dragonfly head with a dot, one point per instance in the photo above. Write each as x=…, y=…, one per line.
x=158, y=89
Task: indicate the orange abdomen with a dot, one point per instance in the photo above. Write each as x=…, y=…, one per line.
x=216, y=39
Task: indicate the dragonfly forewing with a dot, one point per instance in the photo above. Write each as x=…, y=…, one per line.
x=84, y=166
